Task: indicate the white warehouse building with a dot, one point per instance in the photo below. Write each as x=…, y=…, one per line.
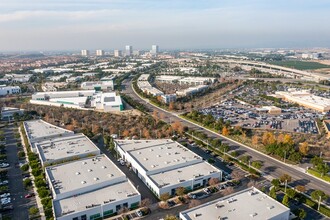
x=164, y=165
x=62, y=149
x=90, y=188
x=98, y=86
x=249, y=203
x=9, y=90
x=107, y=102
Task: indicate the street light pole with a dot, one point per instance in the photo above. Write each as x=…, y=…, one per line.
x=286, y=183
x=318, y=208
x=284, y=156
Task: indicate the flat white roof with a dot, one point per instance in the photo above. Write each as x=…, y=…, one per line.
x=246, y=204
x=83, y=173
x=109, y=98
x=65, y=92
x=42, y=129
x=183, y=174
x=158, y=154
x=73, y=100
x=64, y=147
x=107, y=195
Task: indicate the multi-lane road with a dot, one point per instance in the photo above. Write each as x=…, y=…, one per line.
x=272, y=167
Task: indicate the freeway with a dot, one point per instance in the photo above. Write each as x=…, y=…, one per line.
x=271, y=168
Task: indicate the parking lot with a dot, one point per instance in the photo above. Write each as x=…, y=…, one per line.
x=13, y=199
x=293, y=119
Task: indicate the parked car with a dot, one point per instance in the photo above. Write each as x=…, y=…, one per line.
x=207, y=191
x=29, y=195
x=4, y=195
x=139, y=213
x=170, y=203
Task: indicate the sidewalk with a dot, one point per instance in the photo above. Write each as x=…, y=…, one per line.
x=38, y=200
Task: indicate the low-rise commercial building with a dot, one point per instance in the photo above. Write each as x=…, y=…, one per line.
x=84, y=184
x=196, y=80
x=164, y=165
x=9, y=90
x=7, y=113
x=107, y=102
x=168, y=98
x=146, y=87
x=98, y=86
x=192, y=90
x=61, y=149
x=249, y=203
x=306, y=99
x=39, y=130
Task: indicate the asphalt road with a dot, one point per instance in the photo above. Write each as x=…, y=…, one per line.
x=15, y=178
x=272, y=167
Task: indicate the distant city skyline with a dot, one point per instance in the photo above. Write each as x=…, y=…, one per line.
x=171, y=24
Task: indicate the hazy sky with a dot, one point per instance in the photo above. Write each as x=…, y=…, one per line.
x=182, y=24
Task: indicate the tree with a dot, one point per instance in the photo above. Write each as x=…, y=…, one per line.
x=164, y=196
x=126, y=133
x=285, y=200
x=268, y=138
x=255, y=140
x=194, y=203
x=301, y=213
x=285, y=178
x=213, y=181
x=256, y=164
x=316, y=160
x=288, y=139
x=300, y=188
x=145, y=202
x=304, y=148
x=316, y=194
x=33, y=211
x=171, y=106
x=170, y=217
x=275, y=183
x=180, y=191
x=291, y=193
x=225, y=131
x=25, y=167
x=272, y=193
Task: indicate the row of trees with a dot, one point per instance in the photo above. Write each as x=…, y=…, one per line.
x=320, y=165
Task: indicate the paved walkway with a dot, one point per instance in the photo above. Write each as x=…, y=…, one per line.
x=38, y=200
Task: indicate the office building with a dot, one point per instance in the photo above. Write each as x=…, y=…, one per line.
x=117, y=53
x=84, y=52
x=136, y=53
x=9, y=90
x=306, y=99
x=7, y=113
x=154, y=50
x=192, y=90
x=98, y=86
x=167, y=98
x=146, y=87
x=107, y=102
x=128, y=50
x=249, y=203
x=164, y=165
x=99, y=53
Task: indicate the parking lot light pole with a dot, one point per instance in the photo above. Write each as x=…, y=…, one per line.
x=284, y=156
x=286, y=183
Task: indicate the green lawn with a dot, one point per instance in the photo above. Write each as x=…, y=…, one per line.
x=300, y=65
x=317, y=174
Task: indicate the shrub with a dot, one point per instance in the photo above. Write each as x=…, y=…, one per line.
x=324, y=210
x=27, y=183
x=33, y=210
x=21, y=154
x=36, y=172
x=43, y=193
x=25, y=167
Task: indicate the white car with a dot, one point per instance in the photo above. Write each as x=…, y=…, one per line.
x=4, y=165
x=4, y=195
x=139, y=213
